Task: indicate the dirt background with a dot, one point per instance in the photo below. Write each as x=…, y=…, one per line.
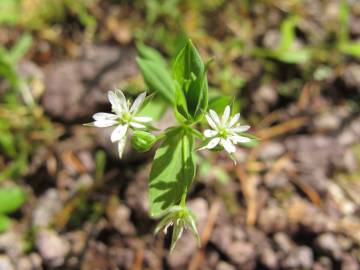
x=291, y=203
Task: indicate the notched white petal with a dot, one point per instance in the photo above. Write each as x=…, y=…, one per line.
x=234, y=120
x=104, y=123
x=118, y=133
x=240, y=139
x=137, y=125
x=137, y=103
x=142, y=119
x=210, y=121
x=115, y=102
x=104, y=116
x=226, y=115
x=240, y=129
x=229, y=147
x=215, y=117
x=122, y=100
x=214, y=142
x=210, y=133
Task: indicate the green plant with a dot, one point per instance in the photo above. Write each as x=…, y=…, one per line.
x=174, y=164
x=11, y=198
x=19, y=115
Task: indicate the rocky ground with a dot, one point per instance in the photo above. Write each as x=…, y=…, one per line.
x=291, y=203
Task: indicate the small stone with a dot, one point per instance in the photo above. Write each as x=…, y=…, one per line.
x=299, y=258
x=52, y=248
x=283, y=242
x=327, y=122
x=31, y=262
x=351, y=76
x=225, y=266
x=77, y=241
x=324, y=263
x=351, y=133
x=349, y=263
x=11, y=243
x=276, y=180
x=271, y=151
x=46, y=208
x=328, y=244
x=5, y=263
x=120, y=219
x=241, y=253
x=269, y=258
x=272, y=219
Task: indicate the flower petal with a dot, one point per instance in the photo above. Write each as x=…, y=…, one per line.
x=137, y=103
x=104, y=116
x=137, y=125
x=215, y=117
x=210, y=133
x=116, y=100
x=104, y=123
x=234, y=120
x=228, y=146
x=240, y=129
x=121, y=146
x=143, y=119
x=225, y=115
x=118, y=133
x=120, y=95
x=214, y=142
x=210, y=121
x=240, y=139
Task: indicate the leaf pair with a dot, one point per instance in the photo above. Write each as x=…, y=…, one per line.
x=191, y=89
x=186, y=89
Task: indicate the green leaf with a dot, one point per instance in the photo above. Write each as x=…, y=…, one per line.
x=20, y=48
x=149, y=53
x=351, y=48
x=155, y=108
x=293, y=57
x=344, y=15
x=5, y=223
x=157, y=78
x=11, y=198
x=219, y=103
x=172, y=171
x=189, y=74
x=287, y=33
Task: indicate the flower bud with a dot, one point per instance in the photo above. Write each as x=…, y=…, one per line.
x=142, y=141
x=178, y=217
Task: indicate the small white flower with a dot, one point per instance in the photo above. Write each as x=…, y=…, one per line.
x=123, y=117
x=225, y=131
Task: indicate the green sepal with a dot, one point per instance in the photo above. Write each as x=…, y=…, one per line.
x=142, y=141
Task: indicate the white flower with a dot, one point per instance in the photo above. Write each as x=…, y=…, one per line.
x=123, y=117
x=225, y=131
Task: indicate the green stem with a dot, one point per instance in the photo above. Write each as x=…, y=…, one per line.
x=183, y=196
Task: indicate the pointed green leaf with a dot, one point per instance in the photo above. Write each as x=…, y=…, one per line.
x=189, y=73
x=149, y=53
x=5, y=223
x=11, y=198
x=157, y=78
x=172, y=171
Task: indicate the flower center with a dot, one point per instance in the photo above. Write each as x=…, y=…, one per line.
x=125, y=118
x=223, y=132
